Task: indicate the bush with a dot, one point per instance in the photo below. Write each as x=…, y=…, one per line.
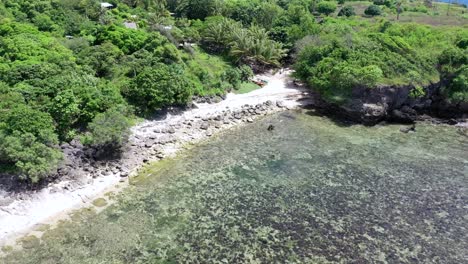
x=159, y=87
x=27, y=142
x=387, y=3
x=326, y=7
x=347, y=11
x=373, y=10
x=457, y=90
x=245, y=73
x=233, y=77
x=109, y=130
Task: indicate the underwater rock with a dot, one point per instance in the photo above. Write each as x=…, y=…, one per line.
x=408, y=129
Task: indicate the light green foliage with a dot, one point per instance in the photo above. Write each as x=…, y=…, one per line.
x=341, y=59
x=247, y=87
x=128, y=40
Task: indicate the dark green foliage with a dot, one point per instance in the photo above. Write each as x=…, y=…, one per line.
x=27, y=140
x=326, y=7
x=101, y=58
x=109, y=130
x=387, y=3
x=246, y=73
x=347, y=11
x=68, y=62
x=248, y=45
x=159, y=87
x=233, y=77
x=457, y=91
x=195, y=9
x=373, y=10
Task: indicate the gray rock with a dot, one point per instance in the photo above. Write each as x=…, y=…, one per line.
x=280, y=104
x=204, y=126
x=408, y=129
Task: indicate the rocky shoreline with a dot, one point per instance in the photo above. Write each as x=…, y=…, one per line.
x=370, y=106
x=82, y=178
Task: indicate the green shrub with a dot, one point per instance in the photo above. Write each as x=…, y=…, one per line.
x=28, y=142
x=457, y=90
x=326, y=7
x=110, y=129
x=159, y=87
x=233, y=77
x=373, y=10
x=347, y=11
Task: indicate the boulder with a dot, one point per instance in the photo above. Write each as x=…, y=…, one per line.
x=204, y=126
x=280, y=104
x=408, y=129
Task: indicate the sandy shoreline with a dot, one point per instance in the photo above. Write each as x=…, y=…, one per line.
x=151, y=140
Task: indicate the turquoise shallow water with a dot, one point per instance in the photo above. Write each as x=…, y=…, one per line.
x=311, y=191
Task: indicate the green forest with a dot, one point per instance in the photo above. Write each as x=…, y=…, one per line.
x=84, y=69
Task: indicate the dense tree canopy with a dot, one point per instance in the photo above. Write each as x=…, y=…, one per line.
x=70, y=64
x=158, y=87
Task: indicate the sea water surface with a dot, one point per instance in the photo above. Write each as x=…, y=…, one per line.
x=310, y=191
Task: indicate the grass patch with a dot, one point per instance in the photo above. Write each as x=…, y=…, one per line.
x=247, y=87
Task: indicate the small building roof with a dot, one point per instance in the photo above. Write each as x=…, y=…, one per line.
x=131, y=25
x=106, y=5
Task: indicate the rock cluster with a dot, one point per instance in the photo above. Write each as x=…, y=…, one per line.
x=396, y=104
x=150, y=141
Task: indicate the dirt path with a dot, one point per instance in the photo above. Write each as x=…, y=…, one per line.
x=151, y=140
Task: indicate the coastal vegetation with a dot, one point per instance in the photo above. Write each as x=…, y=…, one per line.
x=81, y=69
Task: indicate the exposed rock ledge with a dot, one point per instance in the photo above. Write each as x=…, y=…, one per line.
x=394, y=103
